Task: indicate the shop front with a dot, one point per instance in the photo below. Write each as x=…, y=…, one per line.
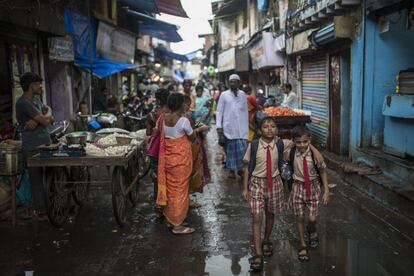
x=266, y=62
x=19, y=53
x=323, y=74
x=382, y=115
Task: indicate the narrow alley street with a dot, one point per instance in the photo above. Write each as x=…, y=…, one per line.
x=353, y=241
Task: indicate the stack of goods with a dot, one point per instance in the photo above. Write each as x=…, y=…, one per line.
x=281, y=111
x=406, y=82
x=115, y=144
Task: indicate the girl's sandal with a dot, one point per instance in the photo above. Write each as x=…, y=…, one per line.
x=303, y=257
x=267, y=248
x=256, y=263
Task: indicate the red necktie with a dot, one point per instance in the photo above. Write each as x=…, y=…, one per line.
x=269, y=173
x=306, y=178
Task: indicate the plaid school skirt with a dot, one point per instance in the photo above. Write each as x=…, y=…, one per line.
x=235, y=150
x=299, y=202
x=261, y=197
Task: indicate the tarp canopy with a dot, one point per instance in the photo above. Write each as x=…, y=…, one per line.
x=156, y=28
x=192, y=55
x=172, y=7
x=84, y=43
x=149, y=6
x=171, y=55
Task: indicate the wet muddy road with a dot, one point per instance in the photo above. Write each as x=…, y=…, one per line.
x=353, y=241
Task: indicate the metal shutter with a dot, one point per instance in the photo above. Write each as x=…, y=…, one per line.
x=315, y=97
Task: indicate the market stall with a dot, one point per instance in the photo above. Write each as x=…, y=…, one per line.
x=66, y=170
x=287, y=118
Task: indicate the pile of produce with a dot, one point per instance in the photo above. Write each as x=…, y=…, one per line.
x=108, y=146
x=281, y=111
x=10, y=144
x=109, y=151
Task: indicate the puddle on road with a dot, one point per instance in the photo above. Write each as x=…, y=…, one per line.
x=231, y=265
x=335, y=255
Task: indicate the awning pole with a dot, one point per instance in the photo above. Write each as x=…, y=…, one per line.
x=90, y=57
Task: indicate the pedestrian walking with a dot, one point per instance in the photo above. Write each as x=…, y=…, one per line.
x=202, y=113
x=306, y=192
x=154, y=118
x=263, y=186
x=200, y=175
x=188, y=90
x=175, y=164
x=253, y=106
x=233, y=125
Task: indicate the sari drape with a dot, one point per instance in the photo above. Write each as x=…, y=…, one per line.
x=174, y=169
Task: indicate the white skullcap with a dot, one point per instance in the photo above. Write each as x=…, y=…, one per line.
x=234, y=77
x=260, y=91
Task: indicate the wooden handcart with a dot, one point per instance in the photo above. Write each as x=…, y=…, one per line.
x=66, y=177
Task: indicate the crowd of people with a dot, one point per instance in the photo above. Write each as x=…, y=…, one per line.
x=254, y=153
x=179, y=167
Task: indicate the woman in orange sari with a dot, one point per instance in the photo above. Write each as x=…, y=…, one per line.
x=175, y=164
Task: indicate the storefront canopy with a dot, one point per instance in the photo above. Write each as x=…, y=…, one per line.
x=172, y=7
x=102, y=67
x=84, y=43
x=156, y=28
x=149, y=6
x=171, y=55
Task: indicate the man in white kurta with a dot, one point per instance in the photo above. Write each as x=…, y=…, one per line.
x=232, y=120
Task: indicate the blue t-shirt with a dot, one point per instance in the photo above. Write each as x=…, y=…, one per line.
x=31, y=138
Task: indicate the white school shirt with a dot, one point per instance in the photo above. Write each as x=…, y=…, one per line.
x=232, y=115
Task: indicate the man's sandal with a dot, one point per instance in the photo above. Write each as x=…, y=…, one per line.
x=267, y=248
x=313, y=241
x=256, y=263
x=303, y=257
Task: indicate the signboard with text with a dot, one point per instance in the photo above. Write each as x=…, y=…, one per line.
x=114, y=44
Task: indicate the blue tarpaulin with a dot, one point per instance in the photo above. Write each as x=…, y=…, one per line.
x=156, y=28
x=171, y=55
x=84, y=44
x=192, y=55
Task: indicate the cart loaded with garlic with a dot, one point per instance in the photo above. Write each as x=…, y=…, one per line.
x=67, y=169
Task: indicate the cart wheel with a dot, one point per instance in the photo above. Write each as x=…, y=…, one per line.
x=143, y=163
x=57, y=196
x=118, y=198
x=80, y=192
x=131, y=174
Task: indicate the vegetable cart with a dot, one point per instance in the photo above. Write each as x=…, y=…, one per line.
x=286, y=123
x=287, y=119
x=66, y=177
